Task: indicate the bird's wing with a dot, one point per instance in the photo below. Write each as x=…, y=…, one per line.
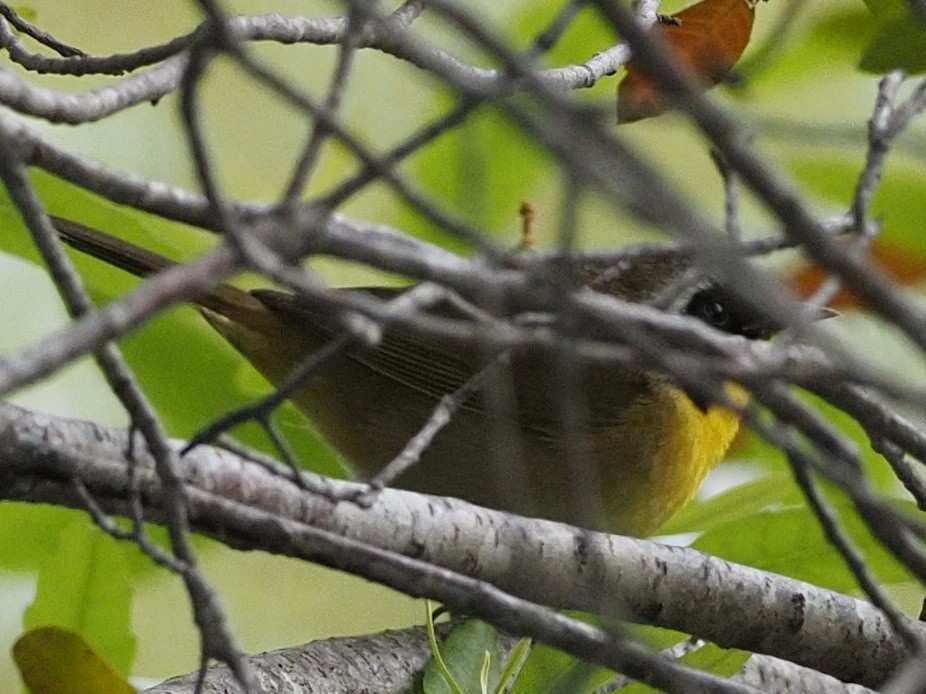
x=402, y=355
x=440, y=368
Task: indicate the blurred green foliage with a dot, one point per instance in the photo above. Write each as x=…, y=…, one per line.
x=802, y=93
x=899, y=39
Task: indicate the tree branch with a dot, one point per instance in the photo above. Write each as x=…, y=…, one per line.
x=390, y=662
x=246, y=507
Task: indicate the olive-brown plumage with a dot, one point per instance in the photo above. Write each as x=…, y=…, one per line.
x=648, y=445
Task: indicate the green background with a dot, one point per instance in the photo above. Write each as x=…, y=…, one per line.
x=806, y=107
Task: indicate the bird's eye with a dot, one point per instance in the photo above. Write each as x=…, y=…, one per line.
x=711, y=309
x=716, y=314
x=720, y=309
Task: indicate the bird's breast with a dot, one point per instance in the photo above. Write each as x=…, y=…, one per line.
x=663, y=448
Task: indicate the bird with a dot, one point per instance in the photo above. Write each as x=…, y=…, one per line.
x=648, y=444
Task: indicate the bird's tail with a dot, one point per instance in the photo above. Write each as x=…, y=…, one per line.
x=225, y=299
x=122, y=254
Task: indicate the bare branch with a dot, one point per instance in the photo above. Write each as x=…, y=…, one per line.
x=244, y=506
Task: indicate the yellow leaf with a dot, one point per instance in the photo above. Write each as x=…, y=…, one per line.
x=52, y=660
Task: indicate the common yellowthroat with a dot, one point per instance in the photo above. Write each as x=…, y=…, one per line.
x=648, y=443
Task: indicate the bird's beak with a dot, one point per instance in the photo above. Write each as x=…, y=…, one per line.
x=766, y=328
x=824, y=313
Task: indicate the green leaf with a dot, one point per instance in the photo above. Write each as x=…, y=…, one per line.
x=52, y=660
x=464, y=653
x=85, y=587
x=27, y=12
x=549, y=670
x=791, y=542
x=877, y=470
x=722, y=662
x=27, y=533
x=656, y=638
x=899, y=202
x=900, y=44
x=737, y=503
x=828, y=44
x=886, y=9
x=515, y=661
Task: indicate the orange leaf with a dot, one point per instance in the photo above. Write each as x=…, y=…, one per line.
x=708, y=39
x=895, y=262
